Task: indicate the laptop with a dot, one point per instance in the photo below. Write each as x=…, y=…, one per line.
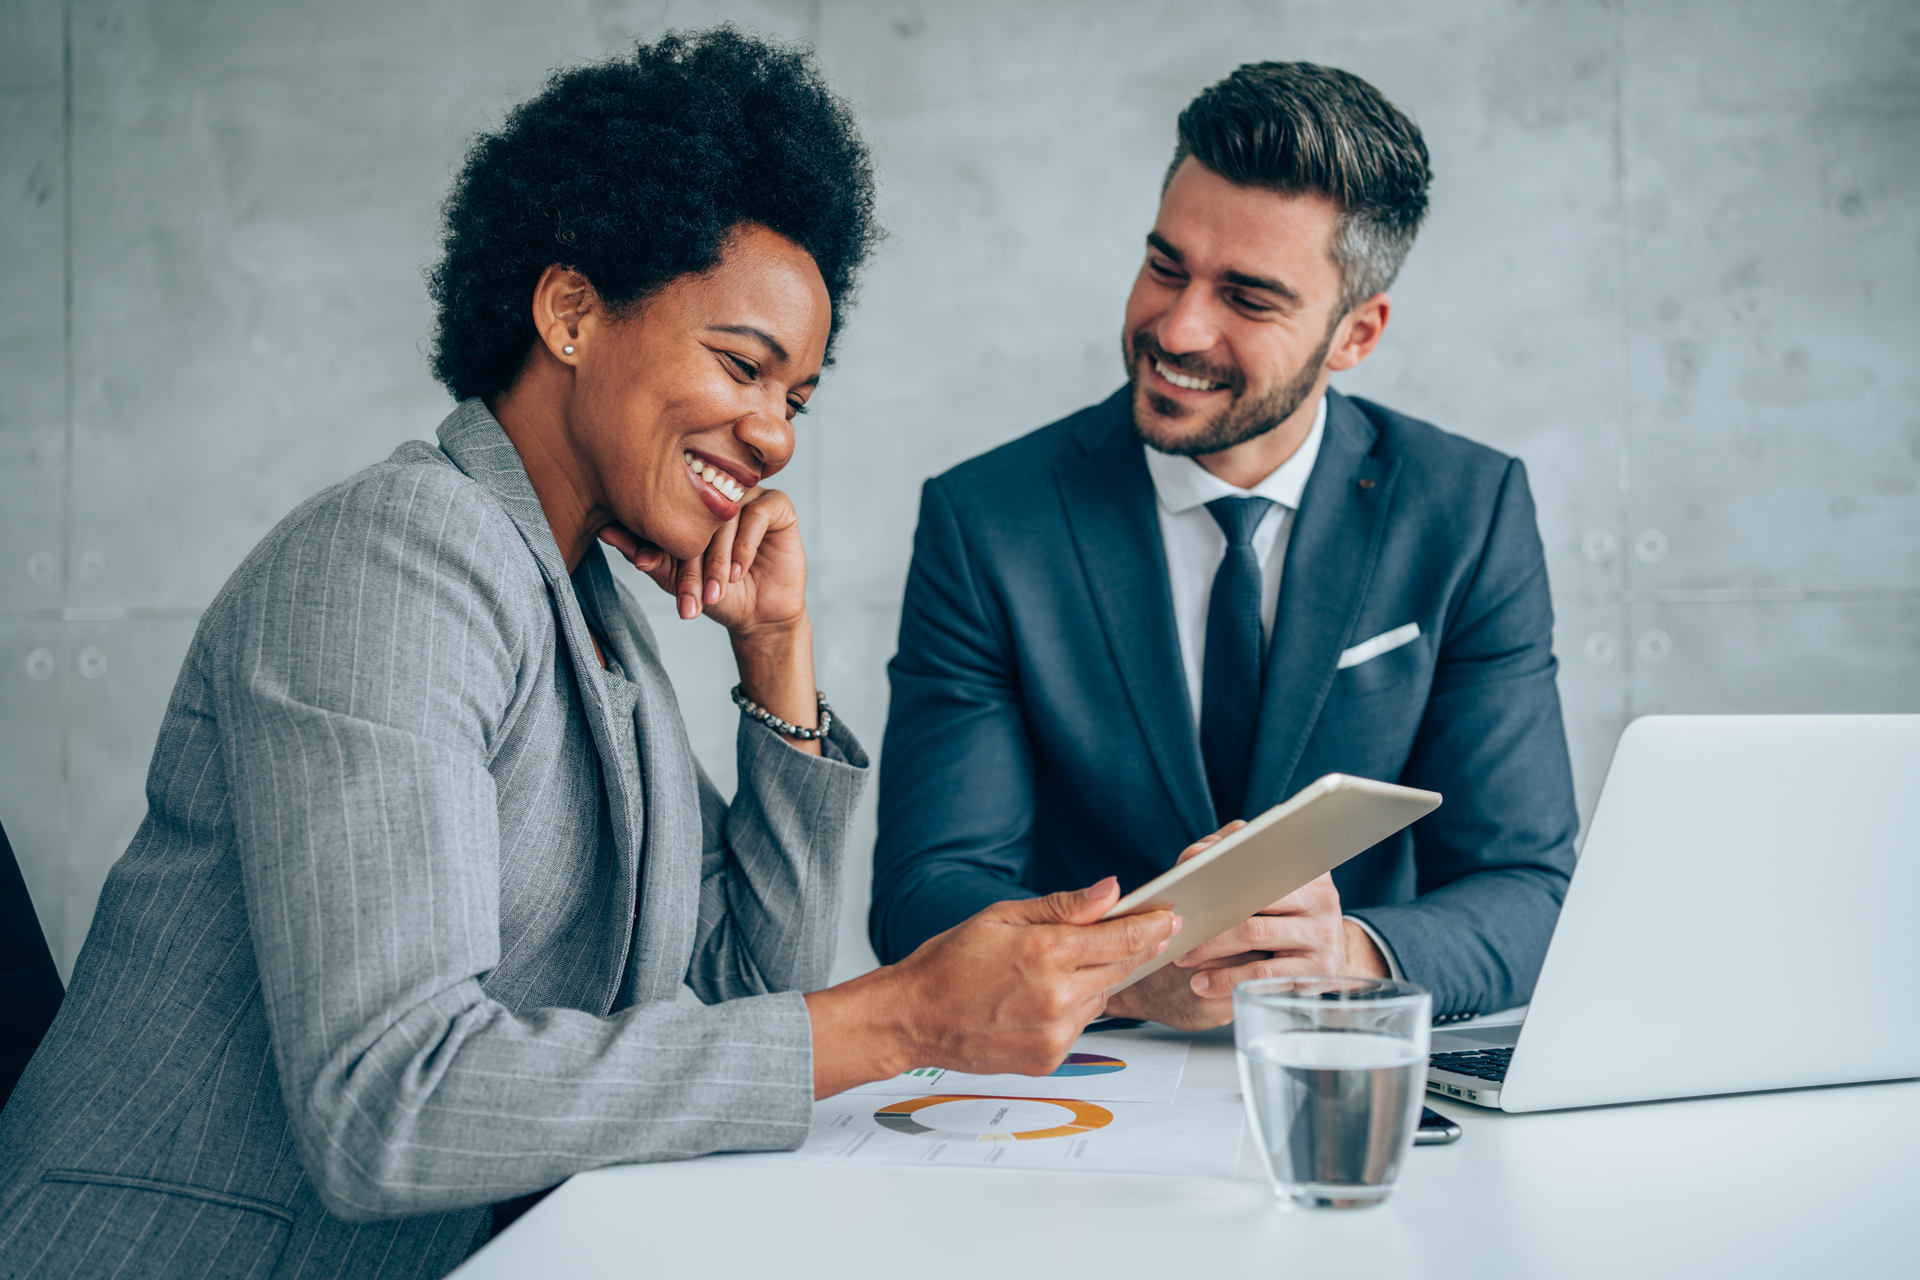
x=1742, y=918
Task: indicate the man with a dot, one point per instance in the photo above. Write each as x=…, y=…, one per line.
x=1178, y=607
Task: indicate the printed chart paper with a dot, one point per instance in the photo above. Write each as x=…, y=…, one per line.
x=1197, y=1135
x=1104, y=1067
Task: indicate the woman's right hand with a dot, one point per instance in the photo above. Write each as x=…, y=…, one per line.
x=1008, y=990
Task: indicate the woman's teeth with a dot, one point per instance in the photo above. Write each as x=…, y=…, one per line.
x=720, y=480
x=1179, y=379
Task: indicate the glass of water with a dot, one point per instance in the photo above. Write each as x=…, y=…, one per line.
x=1334, y=1071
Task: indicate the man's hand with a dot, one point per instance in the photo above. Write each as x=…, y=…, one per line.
x=1167, y=995
x=1303, y=933
x=1006, y=991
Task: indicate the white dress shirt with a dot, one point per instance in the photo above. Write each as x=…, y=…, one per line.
x=1195, y=547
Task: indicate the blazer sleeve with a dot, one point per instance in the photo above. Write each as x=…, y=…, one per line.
x=1492, y=863
x=772, y=865
x=371, y=659
x=956, y=774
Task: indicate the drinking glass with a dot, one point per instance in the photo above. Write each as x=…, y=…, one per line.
x=1333, y=1071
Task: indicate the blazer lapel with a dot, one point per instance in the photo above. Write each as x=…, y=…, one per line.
x=670, y=891
x=1108, y=496
x=1330, y=558
x=475, y=443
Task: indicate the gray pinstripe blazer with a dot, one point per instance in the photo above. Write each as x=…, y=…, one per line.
x=401, y=933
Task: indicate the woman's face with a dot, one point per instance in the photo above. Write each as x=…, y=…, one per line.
x=704, y=380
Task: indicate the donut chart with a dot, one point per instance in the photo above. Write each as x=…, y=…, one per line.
x=898, y=1117
x=1088, y=1064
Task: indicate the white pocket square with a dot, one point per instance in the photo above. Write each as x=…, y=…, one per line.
x=1385, y=642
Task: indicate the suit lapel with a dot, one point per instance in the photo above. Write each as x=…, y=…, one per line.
x=1330, y=557
x=1108, y=496
x=475, y=443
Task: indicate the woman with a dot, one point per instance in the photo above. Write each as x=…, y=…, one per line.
x=428, y=857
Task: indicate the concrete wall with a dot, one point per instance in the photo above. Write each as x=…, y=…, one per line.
x=1672, y=263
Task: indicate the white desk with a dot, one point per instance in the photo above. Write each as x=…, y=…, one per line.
x=1810, y=1184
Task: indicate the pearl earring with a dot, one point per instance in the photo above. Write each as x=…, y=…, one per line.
x=566, y=351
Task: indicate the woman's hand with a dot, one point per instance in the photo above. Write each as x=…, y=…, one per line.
x=752, y=580
x=752, y=576
x=1007, y=990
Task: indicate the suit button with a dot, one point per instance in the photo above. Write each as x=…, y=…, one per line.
x=1366, y=484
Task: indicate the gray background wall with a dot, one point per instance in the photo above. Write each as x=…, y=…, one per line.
x=1672, y=263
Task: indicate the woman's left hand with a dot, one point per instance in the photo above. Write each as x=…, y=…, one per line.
x=752, y=577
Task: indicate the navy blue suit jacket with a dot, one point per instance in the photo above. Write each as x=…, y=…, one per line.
x=1040, y=735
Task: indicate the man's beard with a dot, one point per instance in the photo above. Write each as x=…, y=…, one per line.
x=1240, y=420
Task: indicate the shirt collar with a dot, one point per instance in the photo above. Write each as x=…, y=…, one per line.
x=1181, y=484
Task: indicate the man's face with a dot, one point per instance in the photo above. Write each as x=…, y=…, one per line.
x=1232, y=315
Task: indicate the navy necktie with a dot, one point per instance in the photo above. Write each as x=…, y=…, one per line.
x=1230, y=679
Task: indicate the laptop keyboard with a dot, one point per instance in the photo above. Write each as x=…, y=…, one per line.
x=1484, y=1064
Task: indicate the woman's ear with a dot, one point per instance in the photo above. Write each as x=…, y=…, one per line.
x=566, y=310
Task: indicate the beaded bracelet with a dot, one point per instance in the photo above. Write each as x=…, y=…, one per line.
x=757, y=712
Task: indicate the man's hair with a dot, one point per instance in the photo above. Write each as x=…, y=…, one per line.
x=632, y=172
x=1296, y=127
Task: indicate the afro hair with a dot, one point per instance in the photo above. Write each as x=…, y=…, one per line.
x=633, y=171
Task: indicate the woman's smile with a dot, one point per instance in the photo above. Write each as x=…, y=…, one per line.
x=718, y=482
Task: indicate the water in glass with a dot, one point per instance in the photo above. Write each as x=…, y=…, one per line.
x=1334, y=1110
x=1334, y=1071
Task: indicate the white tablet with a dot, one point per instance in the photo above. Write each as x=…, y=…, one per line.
x=1284, y=848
